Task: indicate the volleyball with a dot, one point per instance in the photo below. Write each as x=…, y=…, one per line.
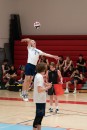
x=37, y=25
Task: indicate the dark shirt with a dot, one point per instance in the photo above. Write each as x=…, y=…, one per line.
x=6, y=67
x=81, y=61
x=11, y=72
x=52, y=77
x=60, y=62
x=76, y=76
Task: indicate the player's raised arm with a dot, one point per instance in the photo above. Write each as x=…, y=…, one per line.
x=27, y=40
x=52, y=56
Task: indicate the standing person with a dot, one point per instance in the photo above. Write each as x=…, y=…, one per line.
x=33, y=56
x=40, y=89
x=52, y=77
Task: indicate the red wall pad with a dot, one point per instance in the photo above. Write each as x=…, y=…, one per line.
x=66, y=45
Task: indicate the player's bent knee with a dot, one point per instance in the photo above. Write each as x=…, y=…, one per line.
x=37, y=121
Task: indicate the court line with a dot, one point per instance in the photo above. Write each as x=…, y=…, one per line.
x=12, y=116
x=46, y=107
x=20, y=123
x=60, y=113
x=31, y=100
x=74, y=111
x=69, y=128
x=2, y=127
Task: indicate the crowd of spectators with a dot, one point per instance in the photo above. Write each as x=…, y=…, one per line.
x=65, y=65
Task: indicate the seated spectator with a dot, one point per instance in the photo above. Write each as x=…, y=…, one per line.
x=76, y=78
x=5, y=67
x=81, y=64
x=11, y=75
x=44, y=60
x=60, y=64
x=68, y=67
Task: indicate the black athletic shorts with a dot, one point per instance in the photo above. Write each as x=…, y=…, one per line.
x=51, y=91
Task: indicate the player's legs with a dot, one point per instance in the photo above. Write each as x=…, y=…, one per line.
x=75, y=86
x=30, y=81
x=37, y=123
x=40, y=113
x=38, y=127
x=51, y=103
x=25, y=87
x=67, y=87
x=29, y=72
x=27, y=83
x=56, y=103
x=34, y=128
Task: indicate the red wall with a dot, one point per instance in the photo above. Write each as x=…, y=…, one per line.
x=67, y=45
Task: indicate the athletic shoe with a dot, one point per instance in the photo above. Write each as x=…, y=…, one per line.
x=25, y=98
x=50, y=110
x=66, y=91
x=57, y=111
x=7, y=84
x=74, y=92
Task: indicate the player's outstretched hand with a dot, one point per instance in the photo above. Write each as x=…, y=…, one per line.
x=56, y=57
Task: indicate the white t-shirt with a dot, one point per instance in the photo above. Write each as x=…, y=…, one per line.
x=39, y=97
x=33, y=55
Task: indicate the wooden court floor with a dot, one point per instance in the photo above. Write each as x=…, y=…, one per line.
x=72, y=112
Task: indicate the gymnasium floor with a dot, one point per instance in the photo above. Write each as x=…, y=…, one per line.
x=16, y=114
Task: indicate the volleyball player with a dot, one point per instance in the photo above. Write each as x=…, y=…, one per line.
x=52, y=77
x=33, y=56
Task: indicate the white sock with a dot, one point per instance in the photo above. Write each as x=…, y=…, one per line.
x=74, y=89
x=67, y=89
x=24, y=92
x=27, y=92
x=57, y=107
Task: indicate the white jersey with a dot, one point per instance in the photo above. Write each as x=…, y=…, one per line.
x=33, y=55
x=39, y=97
